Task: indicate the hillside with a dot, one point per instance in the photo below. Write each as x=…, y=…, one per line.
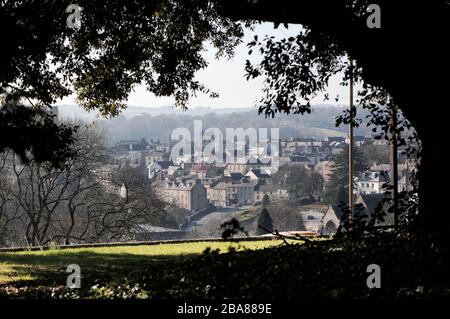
x=152, y=124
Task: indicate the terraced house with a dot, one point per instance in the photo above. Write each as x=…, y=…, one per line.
x=190, y=194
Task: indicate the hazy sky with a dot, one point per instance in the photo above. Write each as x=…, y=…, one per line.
x=226, y=77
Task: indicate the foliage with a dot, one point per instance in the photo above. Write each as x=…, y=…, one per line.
x=286, y=216
x=265, y=222
x=294, y=69
x=160, y=42
x=299, y=181
x=34, y=134
x=231, y=227
x=118, y=46
x=375, y=154
x=336, y=190
x=265, y=200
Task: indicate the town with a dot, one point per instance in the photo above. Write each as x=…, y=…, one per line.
x=207, y=194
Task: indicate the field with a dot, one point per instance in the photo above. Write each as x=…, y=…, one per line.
x=49, y=266
x=269, y=269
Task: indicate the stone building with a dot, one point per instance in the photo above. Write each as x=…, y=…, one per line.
x=190, y=195
x=226, y=193
x=267, y=188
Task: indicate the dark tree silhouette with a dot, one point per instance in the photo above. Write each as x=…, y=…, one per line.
x=265, y=223
x=118, y=46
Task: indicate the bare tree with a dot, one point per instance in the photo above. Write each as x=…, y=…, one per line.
x=70, y=204
x=8, y=211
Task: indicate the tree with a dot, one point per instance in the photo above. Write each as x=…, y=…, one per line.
x=336, y=190
x=286, y=216
x=265, y=200
x=8, y=212
x=109, y=217
x=376, y=154
x=32, y=132
x=265, y=223
x=117, y=47
x=299, y=181
x=41, y=203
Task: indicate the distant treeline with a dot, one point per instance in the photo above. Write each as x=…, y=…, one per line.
x=320, y=123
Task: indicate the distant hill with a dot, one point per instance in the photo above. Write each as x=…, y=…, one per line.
x=137, y=122
x=74, y=111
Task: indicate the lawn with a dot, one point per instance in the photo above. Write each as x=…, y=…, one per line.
x=250, y=269
x=29, y=267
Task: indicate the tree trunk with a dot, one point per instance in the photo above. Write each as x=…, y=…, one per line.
x=433, y=207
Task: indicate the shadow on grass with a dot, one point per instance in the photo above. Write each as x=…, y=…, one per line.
x=50, y=269
x=323, y=269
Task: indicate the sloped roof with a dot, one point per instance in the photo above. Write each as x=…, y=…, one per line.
x=381, y=176
x=338, y=210
x=371, y=201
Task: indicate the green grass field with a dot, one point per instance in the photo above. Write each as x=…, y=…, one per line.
x=48, y=267
x=251, y=269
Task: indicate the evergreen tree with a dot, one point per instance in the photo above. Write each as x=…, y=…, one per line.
x=265, y=221
x=336, y=190
x=265, y=201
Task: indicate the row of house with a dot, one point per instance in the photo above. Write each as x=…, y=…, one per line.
x=199, y=187
x=194, y=186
